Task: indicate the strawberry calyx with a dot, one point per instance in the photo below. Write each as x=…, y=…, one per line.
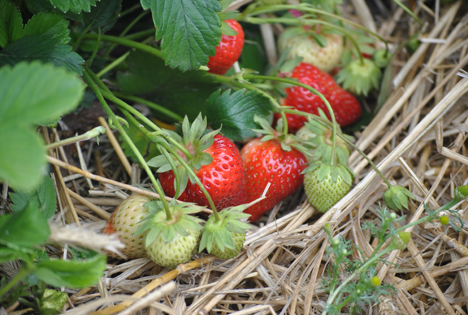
x=158, y=223
x=319, y=138
x=382, y=58
x=190, y=148
x=360, y=76
x=324, y=168
x=396, y=197
x=220, y=231
x=287, y=141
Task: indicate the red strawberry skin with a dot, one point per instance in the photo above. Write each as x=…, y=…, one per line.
x=223, y=178
x=228, y=50
x=345, y=106
x=268, y=162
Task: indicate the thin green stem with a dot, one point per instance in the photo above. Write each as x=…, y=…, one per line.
x=86, y=136
x=307, y=22
x=90, y=82
x=364, y=267
x=98, y=42
x=181, y=161
x=408, y=11
x=113, y=64
x=150, y=104
x=128, y=43
x=141, y=34
x=130, y=10
x=125, y=31
x=23, y=272
x=308, y=8
x=312, y=90
x=78, y=41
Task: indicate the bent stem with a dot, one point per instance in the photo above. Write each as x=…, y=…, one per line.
x=90, y=82
x=23, y=272
x=95, y=132
x=308, y=8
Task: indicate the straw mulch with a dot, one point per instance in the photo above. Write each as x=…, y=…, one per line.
x=417, y=140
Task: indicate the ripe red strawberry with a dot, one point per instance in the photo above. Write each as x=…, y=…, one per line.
x=125, y=221
x=267, y=162
x=228, y=50
x=345, y=106
x=216, y=161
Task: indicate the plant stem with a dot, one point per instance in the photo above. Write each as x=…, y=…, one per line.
x=150, y=104
x=127, y=42
x=86, y=136
x=17, y=278
x=181, y=161
x=125, y=31
x=113, y=64
x=93, y=55
x=307, y=22
x=90, y=82
x=78, y=41
x=364, y=267
x=308, y=8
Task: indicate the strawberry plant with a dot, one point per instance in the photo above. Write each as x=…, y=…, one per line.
x=163, y=74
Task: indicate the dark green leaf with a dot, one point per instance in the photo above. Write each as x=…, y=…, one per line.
x=44, y=197
x=41, y=47
x=24, y=229
x=37, y=6
x=189, y=31
x=183, y=93
x=70, y=273
x=103, y=15
x=75, y=6
x=11, y=23
x=49, y=24
x=235, y=112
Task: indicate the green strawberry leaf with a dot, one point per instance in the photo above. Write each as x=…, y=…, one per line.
x=75, y=6
x=235, y=112
x=226, y=29
x=31, y=94
x=71, y=273
x=103, y=15
x=25, y=229
x=189, y=31
x=41, y=47
x=11, y=23
x=49, y=24
x=44, y=197
x=183, y=93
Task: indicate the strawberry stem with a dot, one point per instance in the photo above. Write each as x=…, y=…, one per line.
x=312, y=90
x=307, y=8
x=88, y=76
x=306, y=22
x=181, y=161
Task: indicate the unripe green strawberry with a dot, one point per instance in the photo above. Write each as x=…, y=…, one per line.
x=238, y=238
x=302, y=43
x=171, y=232
x=178, y=251
x=326, y=184
x=125, y=221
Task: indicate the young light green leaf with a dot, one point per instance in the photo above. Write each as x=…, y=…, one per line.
x=189, y=31
x=31, y=94
x=11, y=23
x=44, y=197
x=36, y=93
x=235, y=112
x=71, y=273
x=44, y=47
x=24, y=229
x=103, y=15
x=226, y=29
x=75, y=6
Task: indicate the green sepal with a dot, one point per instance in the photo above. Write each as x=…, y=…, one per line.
x=396, y=197
x=461, y=192
x=360, y=77
x=221, y=231
x=226, y=29
x=157, y=223
x=339, y=170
